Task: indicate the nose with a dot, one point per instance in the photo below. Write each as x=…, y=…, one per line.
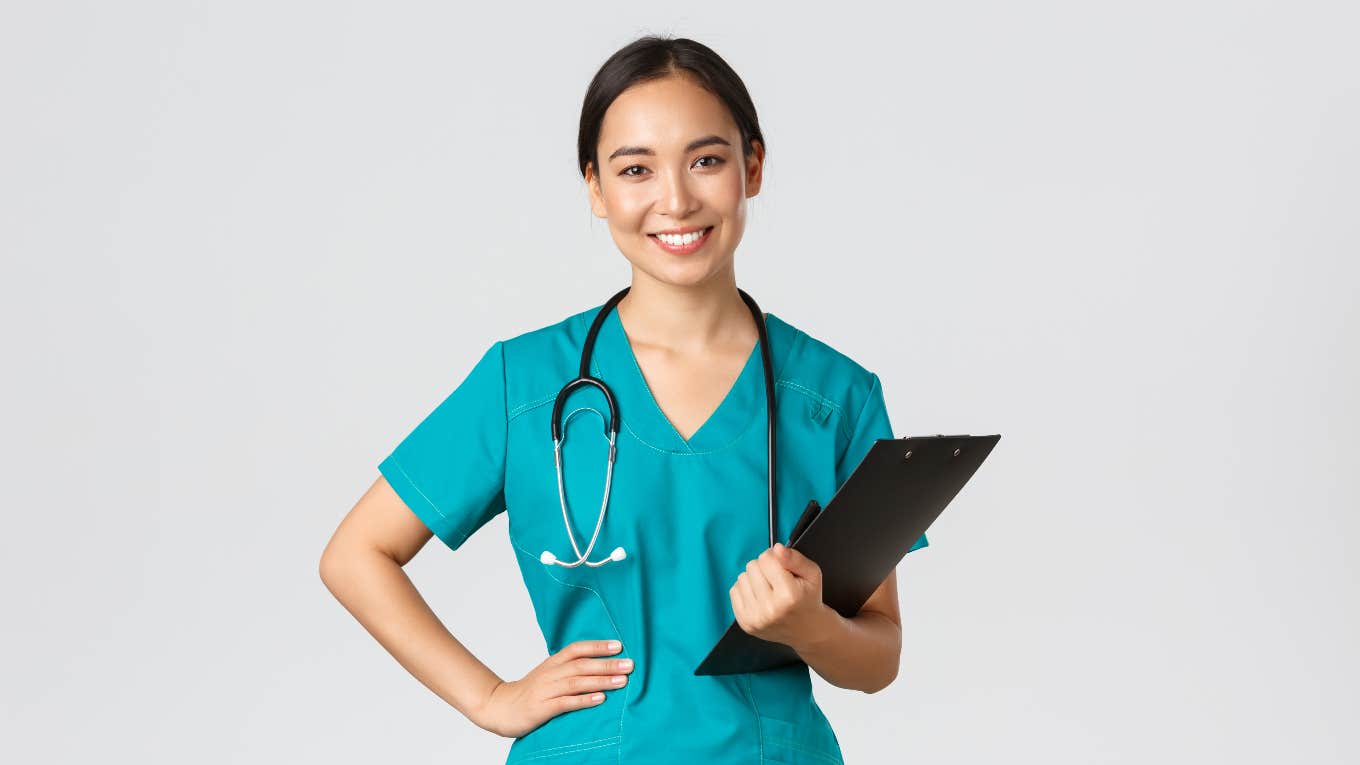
x=677, y=198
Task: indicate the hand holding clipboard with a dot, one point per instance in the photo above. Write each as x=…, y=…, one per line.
x=894, y=494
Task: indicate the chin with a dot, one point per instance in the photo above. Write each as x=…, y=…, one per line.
x=686, y=274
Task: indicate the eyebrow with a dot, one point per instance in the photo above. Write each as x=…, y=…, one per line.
x=707, y=140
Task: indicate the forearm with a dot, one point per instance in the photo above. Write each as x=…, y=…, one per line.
x=378, y=593
x=862, y=652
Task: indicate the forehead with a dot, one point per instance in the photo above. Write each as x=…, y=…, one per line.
x=665, y=115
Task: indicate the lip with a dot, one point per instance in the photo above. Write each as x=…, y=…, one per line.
x=678, y=231
x=685, y=249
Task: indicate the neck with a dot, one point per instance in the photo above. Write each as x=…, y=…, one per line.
x=690, y=318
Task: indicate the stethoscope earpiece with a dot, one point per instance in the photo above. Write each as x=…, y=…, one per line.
x=612, y=430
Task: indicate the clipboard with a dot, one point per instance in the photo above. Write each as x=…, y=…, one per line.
x=895, y=493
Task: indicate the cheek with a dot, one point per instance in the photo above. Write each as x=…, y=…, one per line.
x=627, y=209
x=728, y=199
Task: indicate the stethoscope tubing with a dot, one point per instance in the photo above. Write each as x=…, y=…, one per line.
x=584, y=378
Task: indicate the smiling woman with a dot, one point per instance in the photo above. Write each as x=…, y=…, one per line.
x=671, y=150
x=684, y=152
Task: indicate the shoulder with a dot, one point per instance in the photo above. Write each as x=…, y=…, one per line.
x=540, y=360
x=826, y=376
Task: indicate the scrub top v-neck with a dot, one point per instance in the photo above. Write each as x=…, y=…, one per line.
x=689, y=512
x=614, y=360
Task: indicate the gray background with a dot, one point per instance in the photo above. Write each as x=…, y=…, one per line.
x=248, y=245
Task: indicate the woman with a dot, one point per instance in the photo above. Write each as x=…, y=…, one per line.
x=653, y=569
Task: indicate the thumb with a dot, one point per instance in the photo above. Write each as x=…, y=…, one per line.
x=801, y=565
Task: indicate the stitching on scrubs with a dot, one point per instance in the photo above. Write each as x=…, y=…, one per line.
x=562, y=754
x=750, y=420
x=821, y=399
x=522, y=408
x=799, y=747
x=558, y=751
x=505, y=412
x=463, y=537
x=795, y=344
x=873, y=386
x=526, y=408
x=573, y=746
x=409, y=480
x=798, y=339
x=760, y=729
x=626, y=688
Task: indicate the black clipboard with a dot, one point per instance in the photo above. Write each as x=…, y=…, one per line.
x=894, y=494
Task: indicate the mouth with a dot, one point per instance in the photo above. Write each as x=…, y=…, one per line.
x=683, y=244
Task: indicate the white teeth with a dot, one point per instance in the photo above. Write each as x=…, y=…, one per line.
x=681, y=240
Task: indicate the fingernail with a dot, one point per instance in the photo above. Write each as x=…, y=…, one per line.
x=626, y=664
x=615, y=645
x=617, y=680
x=597, y=697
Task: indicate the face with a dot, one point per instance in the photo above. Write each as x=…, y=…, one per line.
x=671, y=159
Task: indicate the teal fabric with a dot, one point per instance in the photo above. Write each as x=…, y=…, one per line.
x=690, y=513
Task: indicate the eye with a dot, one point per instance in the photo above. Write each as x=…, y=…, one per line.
x=716, y=161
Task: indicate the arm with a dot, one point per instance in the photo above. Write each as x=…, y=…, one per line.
x=362, y=567
x=779, y=598
x=862, y=652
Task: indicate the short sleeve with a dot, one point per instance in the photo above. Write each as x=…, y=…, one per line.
x=870, y=425
x=450, y=470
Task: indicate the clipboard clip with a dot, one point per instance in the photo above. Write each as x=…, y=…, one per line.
x=809, y=515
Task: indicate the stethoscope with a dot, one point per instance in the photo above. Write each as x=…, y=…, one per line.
x=612, y=431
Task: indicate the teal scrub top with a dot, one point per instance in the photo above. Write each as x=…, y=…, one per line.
x=689, y=512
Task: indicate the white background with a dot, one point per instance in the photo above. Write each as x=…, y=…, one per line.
x=248, y=245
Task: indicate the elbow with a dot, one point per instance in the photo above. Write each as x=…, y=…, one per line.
x=332, y=566
x=883, y=682
x=326, y=568
x=887, y=674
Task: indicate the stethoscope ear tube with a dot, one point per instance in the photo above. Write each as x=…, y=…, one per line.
x=769, y=402
x=584, y=377
x=611, y=428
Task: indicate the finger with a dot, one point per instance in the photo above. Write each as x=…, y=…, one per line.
x=801, y=565
x=589, y=666
x=781, y=581
x=735, y=593
x=562, y=704
x=753, y=601
x=579, y=684
x=587, y=648
x=754, y=572
x=738, y=602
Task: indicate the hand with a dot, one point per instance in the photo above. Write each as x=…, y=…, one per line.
x=566, y=680
x=779, y=597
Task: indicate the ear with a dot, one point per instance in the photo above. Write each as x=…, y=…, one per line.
x=755, y=167
x=596, y=196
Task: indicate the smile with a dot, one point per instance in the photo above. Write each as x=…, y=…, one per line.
x=681, y=244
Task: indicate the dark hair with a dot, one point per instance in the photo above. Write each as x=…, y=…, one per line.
x=651, y=58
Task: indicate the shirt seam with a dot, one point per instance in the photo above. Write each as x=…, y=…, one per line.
x=867, y=398
x=411, y=482
x=799, y=339
x=548, y=570
x=820, y=398
x=760, y=728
